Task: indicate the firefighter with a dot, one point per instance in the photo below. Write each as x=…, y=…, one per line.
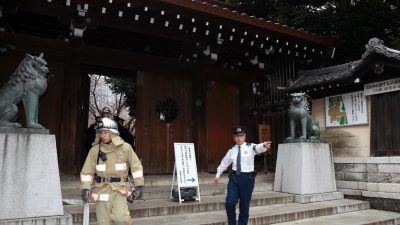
x=91, y=131
x=106, y=169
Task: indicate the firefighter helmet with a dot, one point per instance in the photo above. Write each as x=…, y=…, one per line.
x=108, y=124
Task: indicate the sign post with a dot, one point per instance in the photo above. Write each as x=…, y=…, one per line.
x=185, y=169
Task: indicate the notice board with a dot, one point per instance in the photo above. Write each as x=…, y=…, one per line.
x=346, y=109
x=185, y=169
x=185, y=162
x=264, y=133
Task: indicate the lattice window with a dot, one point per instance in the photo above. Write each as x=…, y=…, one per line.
x=265, y=91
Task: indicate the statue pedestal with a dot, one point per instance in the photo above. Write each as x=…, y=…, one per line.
x=30, y=181
x=11, y=130
x=306, y=170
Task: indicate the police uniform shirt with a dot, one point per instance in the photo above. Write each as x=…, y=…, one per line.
x=248, y=151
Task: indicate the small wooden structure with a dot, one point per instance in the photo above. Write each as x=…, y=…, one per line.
x=221, y=67
x=377, y=74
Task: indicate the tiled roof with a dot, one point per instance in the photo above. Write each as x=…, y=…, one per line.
x=308, y=78
x=324, y=75
x=228, y=12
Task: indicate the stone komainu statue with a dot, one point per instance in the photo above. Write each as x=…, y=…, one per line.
x=302, y=124
x=27, y=84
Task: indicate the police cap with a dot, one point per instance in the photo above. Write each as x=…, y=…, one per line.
x=239, y=130
x=106, y=110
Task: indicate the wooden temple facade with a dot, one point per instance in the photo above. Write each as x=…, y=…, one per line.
x=220, y=67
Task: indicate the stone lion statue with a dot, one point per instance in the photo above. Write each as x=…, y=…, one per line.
x=302, y=124
x=27, y=84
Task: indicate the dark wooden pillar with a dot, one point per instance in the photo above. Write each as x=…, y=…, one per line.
x=199, y=119
x=247, y=113
x=69, y=146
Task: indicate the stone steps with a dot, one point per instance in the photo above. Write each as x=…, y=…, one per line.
x=159, y=186
x=156, y=194
x=260, y=215
x=364, y=217
x=166, y=207
x=267, y=207
x=163, y=192
x=72, y=182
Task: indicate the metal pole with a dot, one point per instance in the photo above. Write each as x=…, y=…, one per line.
x=86, y=210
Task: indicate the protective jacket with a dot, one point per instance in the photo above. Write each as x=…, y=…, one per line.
x=113, y=171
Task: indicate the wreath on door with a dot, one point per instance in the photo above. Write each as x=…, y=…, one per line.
x=167, y=110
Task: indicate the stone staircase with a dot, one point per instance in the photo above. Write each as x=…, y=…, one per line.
x=159, y=186
x=267, y=207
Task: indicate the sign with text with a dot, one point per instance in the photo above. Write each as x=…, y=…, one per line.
x=264, y=133
x=346, y=109
x=185, y=163
x=382, y=87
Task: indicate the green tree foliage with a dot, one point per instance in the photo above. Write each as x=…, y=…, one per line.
x=126, y=87
x=353, y=22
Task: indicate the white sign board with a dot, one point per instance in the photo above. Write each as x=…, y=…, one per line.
x=185, y=162
x=346, y=109
x=185, y=169
x=382, y=87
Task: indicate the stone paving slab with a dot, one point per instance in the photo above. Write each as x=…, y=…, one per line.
x=260, y=215
x=318, y=197
x=364, y=217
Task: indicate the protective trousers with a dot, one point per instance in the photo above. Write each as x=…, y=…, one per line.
x=113, y=211
x=239, y=187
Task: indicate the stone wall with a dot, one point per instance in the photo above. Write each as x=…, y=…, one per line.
x=346, y=140
x=376, y=179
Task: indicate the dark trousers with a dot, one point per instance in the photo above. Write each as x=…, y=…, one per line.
x=239, y=187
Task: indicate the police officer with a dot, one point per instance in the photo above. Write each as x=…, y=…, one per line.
x=91, y=135
x=241, y=179
x=107, y=166
x=106, y=112
x=124, y=132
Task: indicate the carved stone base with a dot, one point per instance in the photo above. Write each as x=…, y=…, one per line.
x=305, y=168
x=30, y=181
x=311, y=140
x=65, y=219
x=9, y=130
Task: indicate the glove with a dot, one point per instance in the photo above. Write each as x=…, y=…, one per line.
x=131, y=197
x=135, y=195
x=138, y=192
x=86, y=195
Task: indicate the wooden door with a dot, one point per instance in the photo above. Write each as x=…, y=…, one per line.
x=154, y=137
x=385, y=124
x=222, y=113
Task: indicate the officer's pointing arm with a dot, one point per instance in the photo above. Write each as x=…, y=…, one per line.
x=267, y=145
x=263, y=147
